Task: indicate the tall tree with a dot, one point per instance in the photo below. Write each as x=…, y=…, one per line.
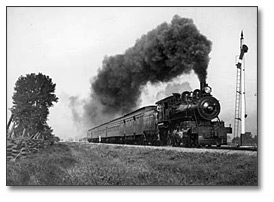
x=34, y=94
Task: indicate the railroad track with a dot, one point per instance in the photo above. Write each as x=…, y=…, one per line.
x=223, y=149
x=243, y=148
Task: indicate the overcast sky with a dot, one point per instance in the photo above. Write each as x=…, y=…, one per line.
x=69, y=44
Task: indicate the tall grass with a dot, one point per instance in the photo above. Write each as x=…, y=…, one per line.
x=89, y=164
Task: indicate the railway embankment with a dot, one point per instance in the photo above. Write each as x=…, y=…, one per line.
x=98, y=164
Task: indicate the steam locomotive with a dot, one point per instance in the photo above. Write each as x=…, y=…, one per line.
x=189, y=119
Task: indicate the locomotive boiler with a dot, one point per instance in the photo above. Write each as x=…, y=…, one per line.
x=189, y=119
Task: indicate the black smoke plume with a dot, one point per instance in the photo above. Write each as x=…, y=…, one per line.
x=159, y=56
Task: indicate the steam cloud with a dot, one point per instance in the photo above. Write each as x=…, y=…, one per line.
x=173, y=88
x=159, y=56
x=73, y=103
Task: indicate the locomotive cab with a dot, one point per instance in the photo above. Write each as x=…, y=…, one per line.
x=164, y=108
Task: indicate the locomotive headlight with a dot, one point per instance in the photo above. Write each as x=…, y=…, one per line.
x=205, y=105
x=207, y=89
x=208, y=107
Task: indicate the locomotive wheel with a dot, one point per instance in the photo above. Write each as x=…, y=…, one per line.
x=169, y=141
x=163, y=134
x=194, y=140
x=176, y=141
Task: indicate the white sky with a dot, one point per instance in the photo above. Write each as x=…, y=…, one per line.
x=69, y=44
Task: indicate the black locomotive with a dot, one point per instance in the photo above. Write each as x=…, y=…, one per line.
x=189, y=119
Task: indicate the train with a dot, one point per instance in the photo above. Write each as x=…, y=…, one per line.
x=189, y=119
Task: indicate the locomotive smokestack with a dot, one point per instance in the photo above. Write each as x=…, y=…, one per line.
x=202, y=85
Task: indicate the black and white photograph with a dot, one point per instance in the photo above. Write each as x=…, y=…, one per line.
x=132, y=96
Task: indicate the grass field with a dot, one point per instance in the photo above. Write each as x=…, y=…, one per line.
x=93, y=164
